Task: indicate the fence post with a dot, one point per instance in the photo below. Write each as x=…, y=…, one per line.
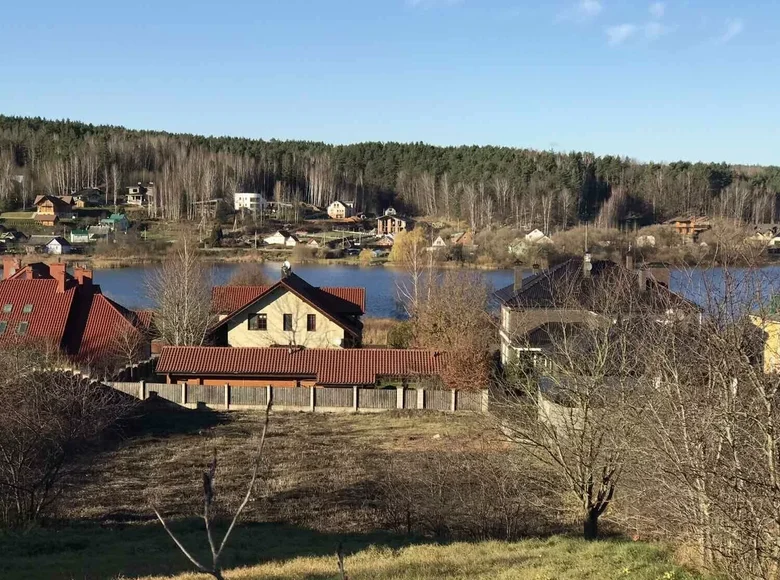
x=399, y=397
x=184, y=393
x=484, y=401
x=142, y=390
x=354, y=398
x=268, y=394
x=311, y=399
x=421, y=398
x=454, y=402
x=227, y=396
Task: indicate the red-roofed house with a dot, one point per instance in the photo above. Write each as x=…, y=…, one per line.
x=43, y=303
x=289, y=367
x=291, y=312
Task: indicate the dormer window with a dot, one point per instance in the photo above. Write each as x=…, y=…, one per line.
x=7, y=308
x=22, y=328
x=27, y=309
x=3, y=326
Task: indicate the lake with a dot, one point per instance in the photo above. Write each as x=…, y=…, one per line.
x=126, y=285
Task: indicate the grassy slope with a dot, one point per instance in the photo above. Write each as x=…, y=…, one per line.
x=552, y=559
x=316, y=481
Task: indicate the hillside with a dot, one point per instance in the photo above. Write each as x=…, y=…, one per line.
x=327, y=479
x=479, y=185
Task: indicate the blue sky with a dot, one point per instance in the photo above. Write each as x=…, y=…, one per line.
x=676, y=79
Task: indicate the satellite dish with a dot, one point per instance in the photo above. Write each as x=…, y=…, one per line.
x=588, y=266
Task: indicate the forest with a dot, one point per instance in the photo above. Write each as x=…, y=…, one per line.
x=483, y=186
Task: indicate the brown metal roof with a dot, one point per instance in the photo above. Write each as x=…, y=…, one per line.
x=326, y=366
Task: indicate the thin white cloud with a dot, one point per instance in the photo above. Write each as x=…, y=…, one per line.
x=619, y=33
x=655, y=29
x=657, y=10
x=432, y=3
x=582, y=10
x=590, y=8
x=734, y=27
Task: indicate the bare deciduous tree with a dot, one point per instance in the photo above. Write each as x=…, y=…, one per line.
x=181, y=292
x=209, y=495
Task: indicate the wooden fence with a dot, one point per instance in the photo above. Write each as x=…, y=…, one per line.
x=333, y=399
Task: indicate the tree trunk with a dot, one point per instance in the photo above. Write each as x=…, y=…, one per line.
x=591, y=525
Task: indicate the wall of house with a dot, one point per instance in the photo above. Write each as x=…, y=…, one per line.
x=328, y=333
x=771, y=329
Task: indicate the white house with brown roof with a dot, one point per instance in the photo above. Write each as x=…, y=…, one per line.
x=282, y=238
x=338, y=210
x=291, y=312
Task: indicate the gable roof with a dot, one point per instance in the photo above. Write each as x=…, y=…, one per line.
x=326, y=366
x=50, y=309
x=60, y=240
x=335, y=303
x=60, y=202
x=79, y=320
x=540, y=290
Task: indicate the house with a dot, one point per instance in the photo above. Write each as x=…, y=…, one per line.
x=13, y=237
x=282, y=238
x=536, y=237
x=391, y=224
x=438, y=244
x=252, y=202
x=312, y=243
x=763, y=234
x=43, y=303
x=537, y=307
x=50, y=209
x=116, y=222
x=58, y=245
x=465, y=239
x=338, y=210
x=690, y=227
x=81, y=237
x=385, y=241
x=140, y=194
x=296, y=367
x=88, y=197
x=291, y=312
x=770, y=328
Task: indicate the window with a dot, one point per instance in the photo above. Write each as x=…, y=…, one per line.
x=258, y=322
x=27, y=308
x=7, y=308
x=311, y=322
x=3, y=326
x=287, y=320
x=22, y=328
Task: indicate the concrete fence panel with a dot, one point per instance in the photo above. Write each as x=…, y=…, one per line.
x=333, y=397
x=438, y=400
x=376, y=399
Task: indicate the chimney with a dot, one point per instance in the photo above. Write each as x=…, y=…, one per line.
x=83, y=276
x=11, y=265
x=642, y=280
x=629, y=262
x=518, y=284
x=57, y=271
x=587, y=266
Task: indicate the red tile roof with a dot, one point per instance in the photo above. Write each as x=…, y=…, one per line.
x=327, y=366
x=106, y=327
x=79, y=320
x=50, y=309
x=229, y=299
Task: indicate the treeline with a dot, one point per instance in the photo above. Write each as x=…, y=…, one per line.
x=480, y=185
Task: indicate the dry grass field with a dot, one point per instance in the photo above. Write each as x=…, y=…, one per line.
x=319, y=488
